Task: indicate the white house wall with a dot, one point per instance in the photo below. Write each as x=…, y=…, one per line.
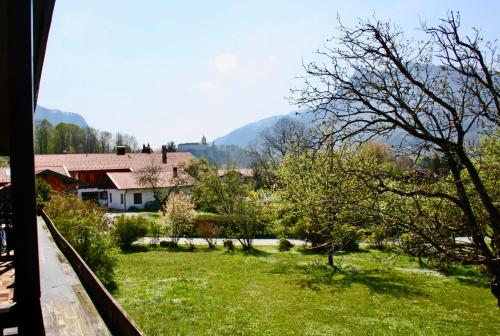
x=128, y=198
x=114, y=199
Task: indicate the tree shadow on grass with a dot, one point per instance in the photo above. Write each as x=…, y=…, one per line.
x=316, y=276
x=135, y=249
x=255, y=252
x=307, y=250
x=469, y=275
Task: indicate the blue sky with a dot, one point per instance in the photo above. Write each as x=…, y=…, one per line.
x=177, y=70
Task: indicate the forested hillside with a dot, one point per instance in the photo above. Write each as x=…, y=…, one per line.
x=70, y=138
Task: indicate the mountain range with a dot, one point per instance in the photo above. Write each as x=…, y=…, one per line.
x=57, y=116
x=246, y=134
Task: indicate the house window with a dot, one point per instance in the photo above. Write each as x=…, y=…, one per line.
x=137, y=198
x=121, y=198
x=110, y=198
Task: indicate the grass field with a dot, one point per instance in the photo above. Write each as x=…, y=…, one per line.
x=206, y=292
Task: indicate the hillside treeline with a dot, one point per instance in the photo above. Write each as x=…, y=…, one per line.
x=70, y=138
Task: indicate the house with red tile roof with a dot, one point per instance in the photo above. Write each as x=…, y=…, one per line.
x=110, y=178
x=127, y=191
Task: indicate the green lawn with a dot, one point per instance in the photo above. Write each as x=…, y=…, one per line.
x=291, y=293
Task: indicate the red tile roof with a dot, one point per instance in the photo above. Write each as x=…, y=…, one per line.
x=58, y=169
x=132, y=161
x=128, y=180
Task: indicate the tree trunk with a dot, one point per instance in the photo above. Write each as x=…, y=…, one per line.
x=470, y=219
x=330, y=254
x=495, y=283
x=330, y=259
x=494, y=216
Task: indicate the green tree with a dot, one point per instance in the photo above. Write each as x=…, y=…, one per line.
x=171, y=147
x=231, y=196
x=43, y=192
x=179, y=218
x=329, y=206
x=434, y=93
x=68, y=138
x=196, y=167
x=43, y=137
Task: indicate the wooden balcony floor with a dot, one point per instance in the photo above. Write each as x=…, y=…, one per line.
x=66, y=307
x=6, y=283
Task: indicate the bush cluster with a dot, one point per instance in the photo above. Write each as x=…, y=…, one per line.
x=284, y=245
x=128, y=229
x=84, y=225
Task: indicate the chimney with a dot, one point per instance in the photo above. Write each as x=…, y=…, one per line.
x=175, y=170
x=120, y=150
x=164, y=154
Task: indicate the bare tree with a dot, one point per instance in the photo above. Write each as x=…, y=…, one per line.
x=163, y=183
x=273, y=144
x=432, y=93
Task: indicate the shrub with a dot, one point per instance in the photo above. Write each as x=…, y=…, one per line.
x=169, y=244
x=85, y=226
x=128, y=229
x=284, y=245
x=180, y=217
x=152, y=206
x=208, y=231
x=210, y=217
x=229, y=245
x=155, y=231
x=43, y=192
x=134, y=208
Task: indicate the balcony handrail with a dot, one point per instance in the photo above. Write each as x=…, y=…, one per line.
x=111, y=312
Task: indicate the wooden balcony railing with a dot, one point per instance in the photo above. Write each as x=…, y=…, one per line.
x=110, y=311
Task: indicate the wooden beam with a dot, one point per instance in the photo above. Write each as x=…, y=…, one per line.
x=21, y=113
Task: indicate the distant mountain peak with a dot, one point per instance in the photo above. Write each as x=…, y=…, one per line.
x=246, y=134
x=55, y=116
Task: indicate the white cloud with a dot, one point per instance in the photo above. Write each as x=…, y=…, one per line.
x=225, y=62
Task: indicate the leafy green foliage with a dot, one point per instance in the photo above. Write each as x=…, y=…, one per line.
x=171, y=146
x=70, y=138
x=152, y=206
x=229, y=195
x=43, y=192
x=4, y=161
x=328, y=205
x=128, y=229
x=284, y=245
x=179, y=218
x=85, y=226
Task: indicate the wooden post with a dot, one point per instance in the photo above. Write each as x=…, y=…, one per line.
x=21, y=110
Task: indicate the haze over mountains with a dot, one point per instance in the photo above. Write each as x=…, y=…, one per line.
x=246, y=134
x=57, y=116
